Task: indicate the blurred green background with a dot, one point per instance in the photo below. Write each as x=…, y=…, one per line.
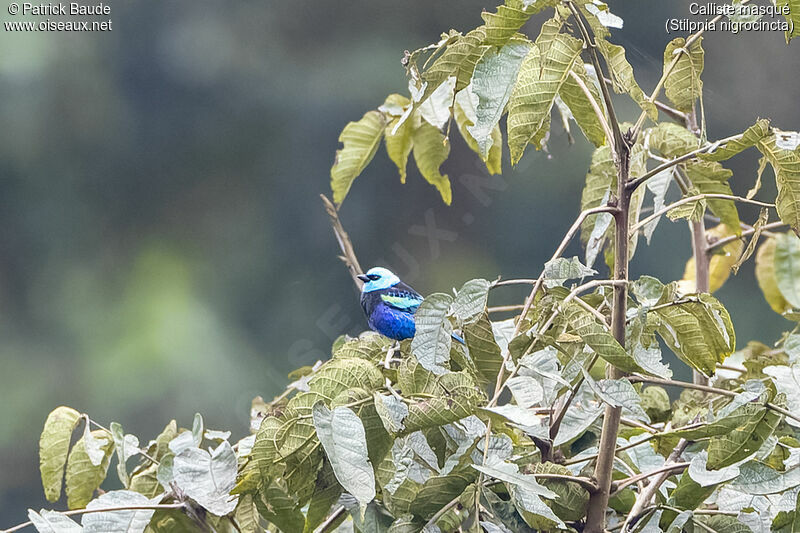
x=163, y=249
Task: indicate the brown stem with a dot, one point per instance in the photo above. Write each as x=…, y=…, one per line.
x=702, y=262
x=598, y=501
x=643, y=500
x=331, y=521
x=348, y=254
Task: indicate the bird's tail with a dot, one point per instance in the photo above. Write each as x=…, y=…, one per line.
x=457, y=338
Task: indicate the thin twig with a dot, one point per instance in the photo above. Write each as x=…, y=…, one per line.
x=644, y=497
x=639, y=225
x=502, y=282
x=348, y=254
x=634, y=183
x=103, y=510
x=555, y=423
x=504, y=308
x=636, y=424
x=719, y=243
x=621, y=484
x=560, y=250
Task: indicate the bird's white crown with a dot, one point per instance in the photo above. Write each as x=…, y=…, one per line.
x=385, y=279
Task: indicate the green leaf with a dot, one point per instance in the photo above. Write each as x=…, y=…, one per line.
x=619, y=393
x=126, y=446
x=281, y=509
x=339, y=375
x=526, y=391
x=146, y=482
x=326, y=492
x=699, y=332
x=392, y=412
x=465, y=116
x=53, y=448
x=787, y=381
x=83, y=478
x=246, y=515
x=786, y=165
x=208, y=478
x=483, y=348
x=711, y=177
x=793, y=18
x=599, y=339
x=135, y=521
x=431, y=343
x=672, y=140
x=470, y=301
x=682, y=84
x=492, y=82
x=457, y=397
x=656, y=404
x=399, y=137
x=46, y=521
x=539, y=81
x=750, y=137
x=342, y=435
x=431, y=149
x=743, y=440
x=621, y=73
x=361, y=140
x=578, y=103
x=787, y=267
x=458, y=59
x=688, y=494
x=510, y=17
x=570, y=505
x=559, y=270
x=509, y=473
x=766, y=276
x=757, y=478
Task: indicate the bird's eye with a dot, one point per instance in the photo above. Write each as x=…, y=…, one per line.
x=373, y=277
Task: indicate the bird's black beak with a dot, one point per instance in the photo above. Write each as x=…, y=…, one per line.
x=363, y=277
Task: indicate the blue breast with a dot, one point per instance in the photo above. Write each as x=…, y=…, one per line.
x=392, y=323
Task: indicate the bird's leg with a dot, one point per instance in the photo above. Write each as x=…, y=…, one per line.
x=387, y=364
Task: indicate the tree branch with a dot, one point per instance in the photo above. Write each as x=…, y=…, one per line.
x=598, y=502
x=644, y=497
x=348, y=254
x=634, y=183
